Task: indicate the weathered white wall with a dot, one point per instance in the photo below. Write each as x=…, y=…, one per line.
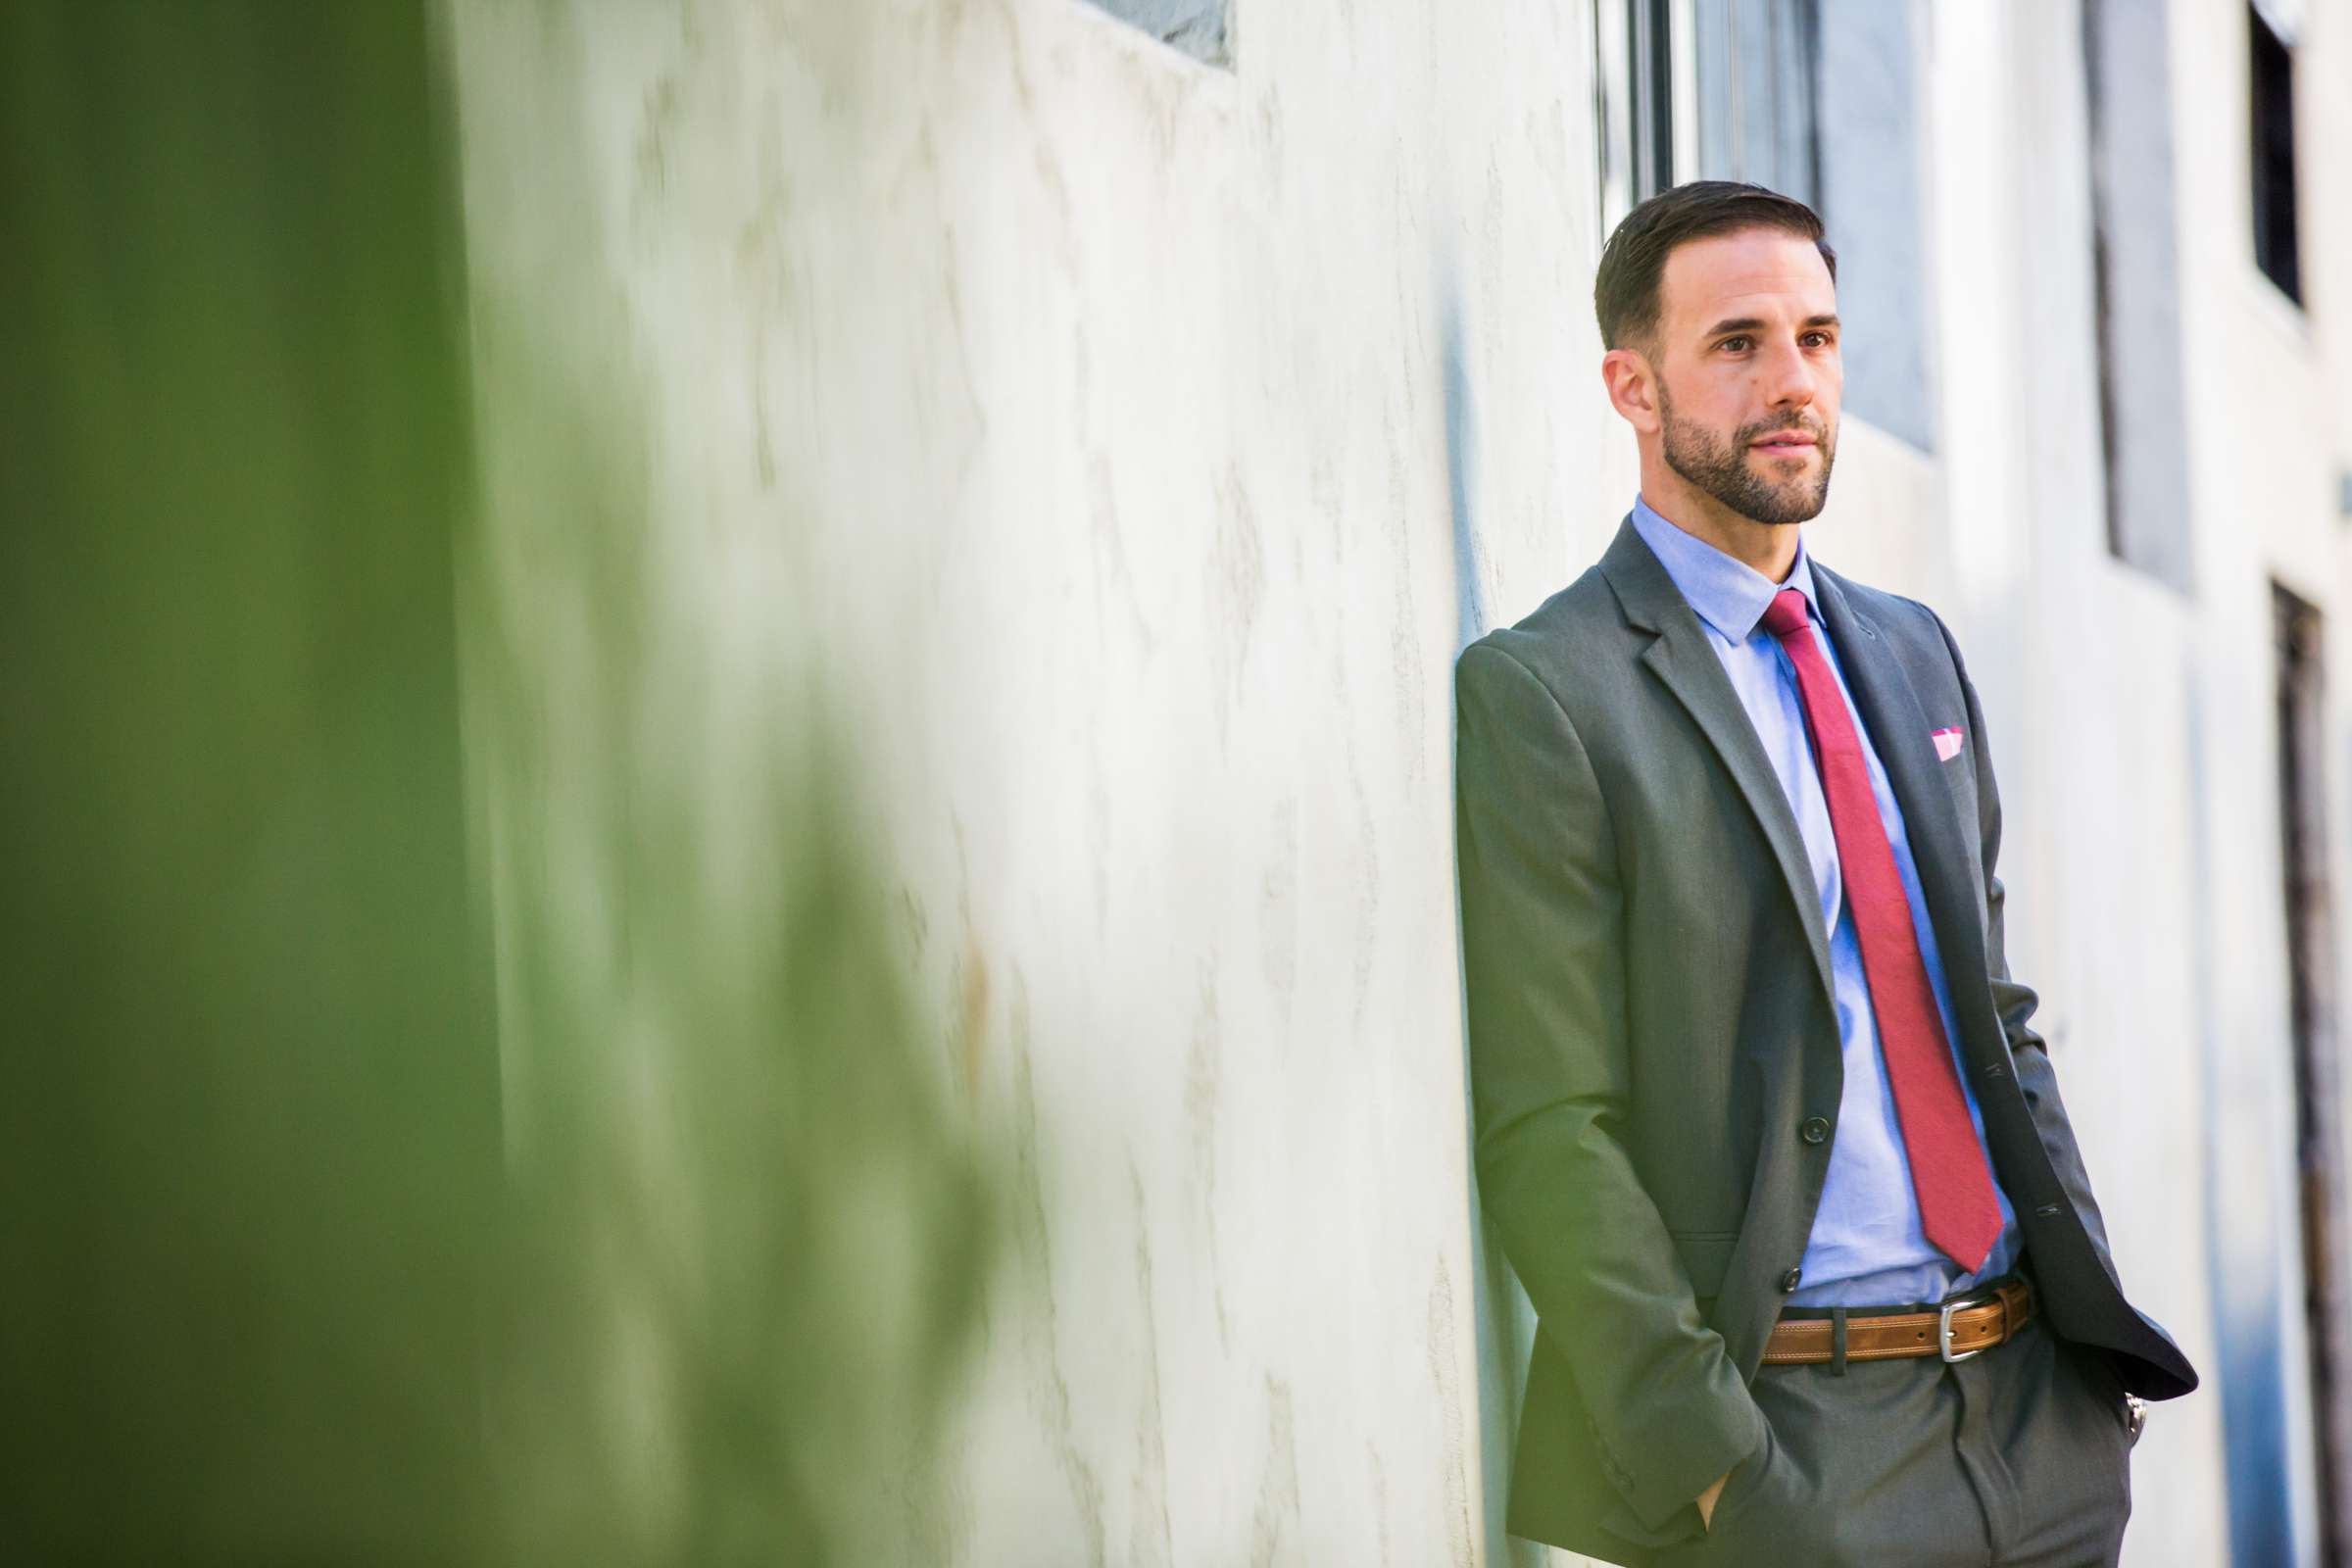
x=2267, y=416
x=1121, y=442
x=1125, y=446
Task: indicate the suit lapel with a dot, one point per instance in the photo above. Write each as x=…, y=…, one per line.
x=1680, y=656
x=1899, y=734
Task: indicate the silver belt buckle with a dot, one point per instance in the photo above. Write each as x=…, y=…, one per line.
x=1944, y=1324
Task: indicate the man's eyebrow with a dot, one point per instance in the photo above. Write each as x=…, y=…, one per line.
x=1750, y=323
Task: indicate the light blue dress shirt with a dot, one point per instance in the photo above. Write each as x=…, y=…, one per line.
x=1867, y=1248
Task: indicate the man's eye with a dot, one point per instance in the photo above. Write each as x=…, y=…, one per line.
x=1823, y=338
x=1731, y=342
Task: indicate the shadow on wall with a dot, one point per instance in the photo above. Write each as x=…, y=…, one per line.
x=281, y=1284
x=1505, y=1321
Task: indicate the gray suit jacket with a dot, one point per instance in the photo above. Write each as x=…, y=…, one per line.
x=1650, y=1024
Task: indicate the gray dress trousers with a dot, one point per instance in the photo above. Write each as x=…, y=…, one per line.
x=2016, y=1458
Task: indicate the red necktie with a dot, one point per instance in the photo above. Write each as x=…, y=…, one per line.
x=1958, y=1208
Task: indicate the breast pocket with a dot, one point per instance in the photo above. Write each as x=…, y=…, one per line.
x=1955, y=748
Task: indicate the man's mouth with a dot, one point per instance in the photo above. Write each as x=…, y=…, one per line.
x=1786, y=444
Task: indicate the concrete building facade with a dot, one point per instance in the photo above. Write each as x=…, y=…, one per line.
x=1122, y=438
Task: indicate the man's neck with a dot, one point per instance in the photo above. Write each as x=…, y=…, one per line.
x=1769, y=548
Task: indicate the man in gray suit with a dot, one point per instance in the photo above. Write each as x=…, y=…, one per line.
x=1762, y=1120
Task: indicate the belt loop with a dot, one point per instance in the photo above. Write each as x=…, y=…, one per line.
x=1837, y=1340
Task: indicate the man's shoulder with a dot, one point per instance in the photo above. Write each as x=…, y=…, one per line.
x=1575, y=626
x=1897, y=615
x=1914, y=637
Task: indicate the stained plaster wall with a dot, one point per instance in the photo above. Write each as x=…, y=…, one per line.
x=2267, y=416
x=1125, y=446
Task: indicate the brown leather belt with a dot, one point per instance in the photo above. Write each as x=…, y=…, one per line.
x=1965, y=1326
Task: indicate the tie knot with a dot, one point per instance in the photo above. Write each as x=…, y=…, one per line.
x=1786, y=612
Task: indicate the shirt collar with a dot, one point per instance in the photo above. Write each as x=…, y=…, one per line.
x=1727, y=594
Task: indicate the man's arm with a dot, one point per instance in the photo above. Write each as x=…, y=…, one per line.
x=1543, y=954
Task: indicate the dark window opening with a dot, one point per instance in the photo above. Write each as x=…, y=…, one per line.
x=2272, y=100
x=1650, y=42
x=2319, y=1144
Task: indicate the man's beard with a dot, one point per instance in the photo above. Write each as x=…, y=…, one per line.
x=1722, y=469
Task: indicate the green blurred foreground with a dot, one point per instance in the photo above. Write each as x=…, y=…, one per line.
x=422, y=1146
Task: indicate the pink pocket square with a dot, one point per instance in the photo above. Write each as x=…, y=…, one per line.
x=1947, y=743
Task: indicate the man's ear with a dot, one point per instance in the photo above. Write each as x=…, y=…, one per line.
x=1633, y=388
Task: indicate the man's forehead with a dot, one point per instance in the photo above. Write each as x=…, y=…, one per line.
x=1757, y=272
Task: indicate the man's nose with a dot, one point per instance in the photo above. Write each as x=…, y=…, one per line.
x=1789, y=376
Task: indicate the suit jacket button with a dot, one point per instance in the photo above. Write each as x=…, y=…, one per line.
x=1815, y=1129
x=1789, y=1280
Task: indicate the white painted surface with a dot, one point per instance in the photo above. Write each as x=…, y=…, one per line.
x=1129, y=445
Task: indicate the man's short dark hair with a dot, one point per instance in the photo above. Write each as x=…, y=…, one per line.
x=1625, y=290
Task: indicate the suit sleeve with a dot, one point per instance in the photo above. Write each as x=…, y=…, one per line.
x=1543, y=955
x=2016, y=1001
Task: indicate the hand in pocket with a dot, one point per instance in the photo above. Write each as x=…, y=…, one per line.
x=1741, y=1487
